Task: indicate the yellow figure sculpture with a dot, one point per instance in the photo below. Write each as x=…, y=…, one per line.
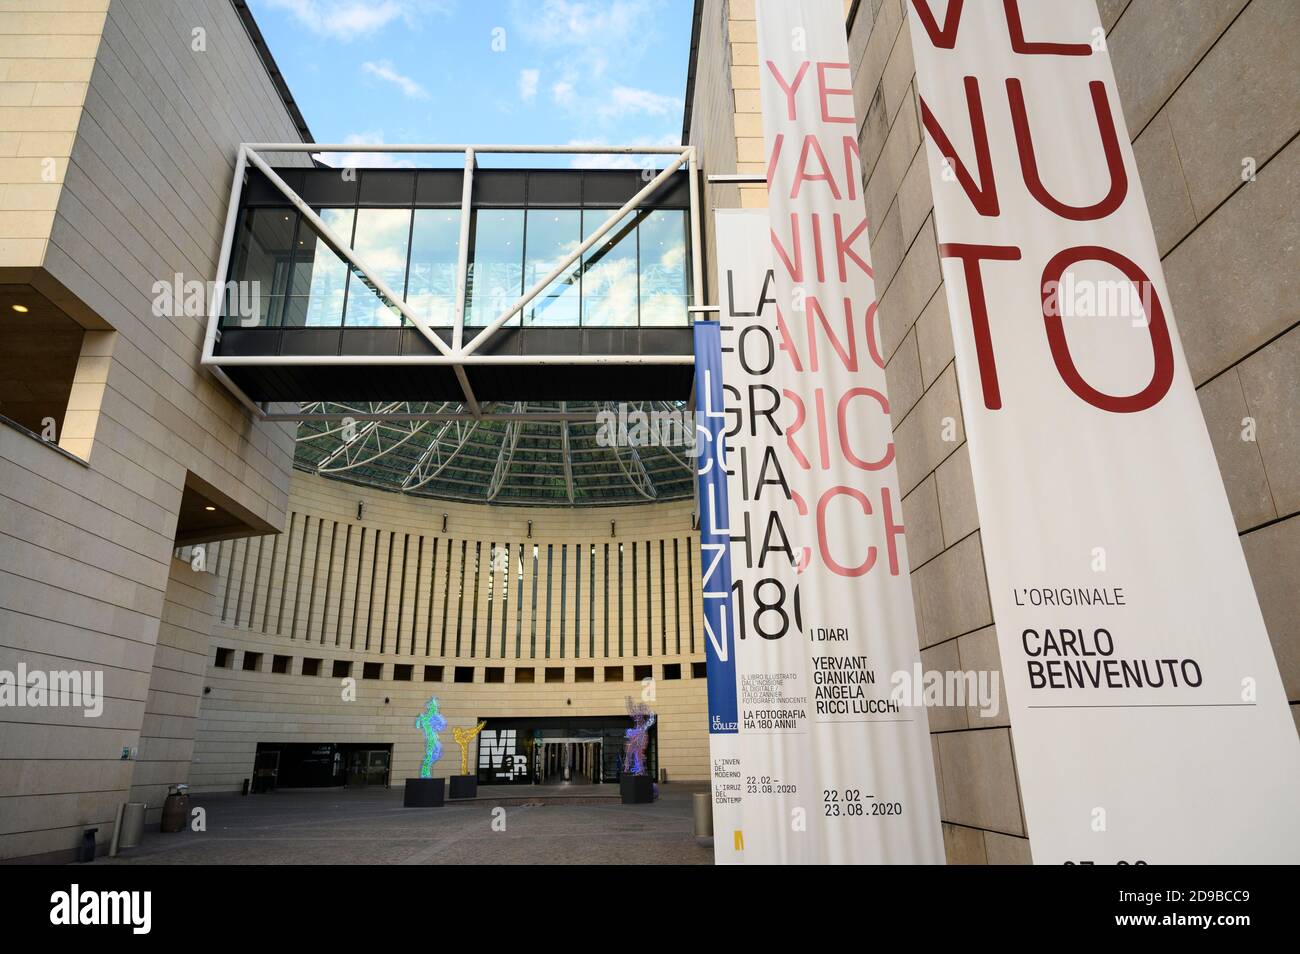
x=464, y=737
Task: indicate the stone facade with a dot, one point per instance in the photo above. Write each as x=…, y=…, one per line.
x=140, y=129
x=587, y=602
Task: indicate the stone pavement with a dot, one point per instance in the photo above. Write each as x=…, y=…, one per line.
x=370, y=826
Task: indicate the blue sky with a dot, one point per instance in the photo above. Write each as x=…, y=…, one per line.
x=493, y=71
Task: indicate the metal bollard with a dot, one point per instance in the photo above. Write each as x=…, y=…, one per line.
x=703, y=805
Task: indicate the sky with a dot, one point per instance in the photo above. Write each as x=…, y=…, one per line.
x=483, y=71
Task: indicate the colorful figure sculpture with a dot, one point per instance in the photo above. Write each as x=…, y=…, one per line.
x=638, y=737
x=464, y=736
x=430, y=722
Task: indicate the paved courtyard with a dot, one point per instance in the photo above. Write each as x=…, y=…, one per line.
x=370, y=826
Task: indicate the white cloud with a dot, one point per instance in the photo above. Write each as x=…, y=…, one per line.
x=583, y=23
x=628, y=101
x=350, y=19
x=587, y=36
x=528, y=84
x=383, y=70
x=366, y=160
x=563, y=94
x=593, y=53
x=651, y=162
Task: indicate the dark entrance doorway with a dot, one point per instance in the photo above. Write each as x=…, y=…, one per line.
x=569, y=761
x=321, y=765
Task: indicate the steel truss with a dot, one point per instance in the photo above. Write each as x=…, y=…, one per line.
x=510, y=452
x=460, y=354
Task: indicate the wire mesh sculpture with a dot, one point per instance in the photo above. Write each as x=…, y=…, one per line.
x=464, y=736
x=430, y=722
x=637, y=737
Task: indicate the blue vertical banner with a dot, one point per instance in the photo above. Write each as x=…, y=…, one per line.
x=715, y=567
x=715, y=535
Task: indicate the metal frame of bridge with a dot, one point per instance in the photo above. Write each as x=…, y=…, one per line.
x=460, y=353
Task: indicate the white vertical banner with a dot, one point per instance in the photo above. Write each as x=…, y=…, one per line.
x=834, y=769
x=1149, y=720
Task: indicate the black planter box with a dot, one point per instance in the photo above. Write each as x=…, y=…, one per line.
x=636, y=789
x=423, y=793
x=463, y=786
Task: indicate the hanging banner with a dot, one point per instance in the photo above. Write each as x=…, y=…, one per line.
x=715, y=566
x=1149, y=720
x=835, y=769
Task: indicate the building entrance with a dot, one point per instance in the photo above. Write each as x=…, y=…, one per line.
x=582, y=750
x=569, y=761
x=320, y=765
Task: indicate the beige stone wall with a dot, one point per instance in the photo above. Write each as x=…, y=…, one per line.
x=1222, y=93
x=171, y=709
x=713, y=108
x=417, y=595
x=47, y=54
x=747, y=122
x=86, y=540
x=726, y=119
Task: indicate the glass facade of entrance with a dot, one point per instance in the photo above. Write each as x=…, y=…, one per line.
x=557, y=751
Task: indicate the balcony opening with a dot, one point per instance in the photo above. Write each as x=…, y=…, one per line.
x=41, y=349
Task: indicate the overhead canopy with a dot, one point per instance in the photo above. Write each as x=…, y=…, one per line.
x=536, y=453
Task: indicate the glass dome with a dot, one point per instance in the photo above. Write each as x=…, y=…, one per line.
x=524, y=453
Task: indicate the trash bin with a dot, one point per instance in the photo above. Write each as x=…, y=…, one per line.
x=132, y=825
x=87, y=852
x=703, y=805
x=176, y=808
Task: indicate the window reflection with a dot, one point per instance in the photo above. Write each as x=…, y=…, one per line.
x=609, y=283
x=637, y=273
x=381, y=240
x=262, y=253
x=320, y=275
x=435, y=249
x=496, y=273
x=553, y=234
x=662, y=241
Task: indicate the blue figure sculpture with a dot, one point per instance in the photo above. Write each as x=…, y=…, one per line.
x=638, y=737
x=430, y=722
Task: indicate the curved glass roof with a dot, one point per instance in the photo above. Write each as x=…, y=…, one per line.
x=525, y=453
